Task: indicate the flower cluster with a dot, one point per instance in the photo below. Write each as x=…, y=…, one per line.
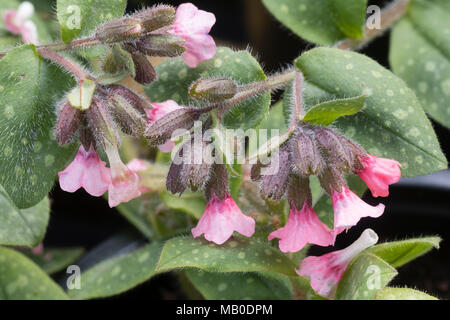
x=18, y=22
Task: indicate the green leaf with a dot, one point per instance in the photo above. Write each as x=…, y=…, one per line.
x=420, y=55
x=403, y=294
x=118, y=274
x=81, y=96
x=392, y=124
x=236, y=255
x=53, y=260
x=309, y=19
x=398, y=253
x=237, y=286
x=366, y=275
x=174, y=79
x=191, y=203
x=21, y=279
x=138, y=212
x=22, y=227
x=349, y=16
x=29, y=154
x=79, y=18
x=327, y=112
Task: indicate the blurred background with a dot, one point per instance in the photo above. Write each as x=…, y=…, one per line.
x=416, y=207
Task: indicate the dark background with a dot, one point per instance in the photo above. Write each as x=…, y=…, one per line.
x=80, y=220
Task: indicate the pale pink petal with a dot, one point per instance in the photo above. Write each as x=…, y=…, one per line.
x=160, y=109
x=326, y=271
x=220, y=219
x=137, y=165
x=301, y=228
x=193, y=26
x=12, y=21
x=167, y=146
x=379, y=173
x=70, y=180
x=349, y=209
x=37, y=251
x=29, y=32
x=25, y=10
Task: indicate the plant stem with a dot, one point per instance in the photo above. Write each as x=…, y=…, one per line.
x=65, y=63
x=389, y=15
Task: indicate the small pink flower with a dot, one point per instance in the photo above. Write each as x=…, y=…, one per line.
x=37, y=251
x=138, y=165
x=86, y=171
x=193, y=26
x=158, y=111
x=326, y=271
x=17, y=22
x=349, y=209
x=301, y=228
x=125, y=183
x=221, y=218
x=379, y=173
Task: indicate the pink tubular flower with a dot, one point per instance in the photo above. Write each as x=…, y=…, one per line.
x=158, y=111
x=221, y=218
x=124, y=184
x=138, y=165
x=379, y=173
x=349, y=209
x=17, y=22
x=86, y=171
x=326, y=271
x=301, y=228
x=193, y=26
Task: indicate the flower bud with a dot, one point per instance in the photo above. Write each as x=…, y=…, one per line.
x=159, y=131
x=129, y=119
x=176, y=183
x=122, y=29
x=101, y=122
x=213, y=90
x=305, y=154
x=333, y=150
x=68, y=122
x=145, y=73
x=137, y=101
x=155, y=18
x=196, y=173
x=299, y=192
x=160, y=45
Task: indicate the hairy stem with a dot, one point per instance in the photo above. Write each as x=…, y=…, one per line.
x=65, y=63
x=389, y=15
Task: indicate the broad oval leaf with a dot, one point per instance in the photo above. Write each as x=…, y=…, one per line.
x=392, y=124
x=118, y=274
x=327, y=112
x=29, y=154
x=366, y=275
x=398, y=253
x=420, y=55
x=349, y=16
x=21, y=279
x=403, y=294
x=79, y=18
x=238, y=286
x=22, y=227
x=236, y=255
x=174, y=79
x=53, y=260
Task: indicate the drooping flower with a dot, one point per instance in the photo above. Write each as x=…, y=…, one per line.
x=221, y=218
x=158, y=111
x=349, y=209
x=326, y=271
x=86, y=171
x=125, y=183
x=193, y=25
x=379, y=173
x=18, y=22
x=301, y=228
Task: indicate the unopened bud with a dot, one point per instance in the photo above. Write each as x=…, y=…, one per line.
x=274, y=179
x=299, y=192
x=156, y=17
x=213, y=90
x=334, y=151
x=331, y=179
x=159, y=131
x=68, y=122
x=176, y=182
x=196, y=173
x=101, y=123
x=160, y=45
x=305, y=154
x=123, y=29
x=137, y=101
x=145, y=73
x=130, y=120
